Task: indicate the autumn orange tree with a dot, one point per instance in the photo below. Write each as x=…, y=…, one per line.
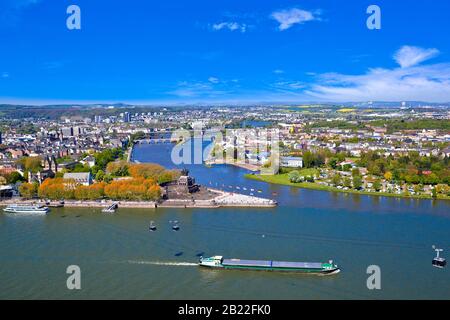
x=92, y=192
x=142, y=184
x=133, y=189
x=146, y=170
x=57, y=188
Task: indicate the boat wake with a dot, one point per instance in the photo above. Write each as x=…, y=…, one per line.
x=164, y=263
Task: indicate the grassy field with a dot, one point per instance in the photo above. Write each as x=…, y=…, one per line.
x=283, y=179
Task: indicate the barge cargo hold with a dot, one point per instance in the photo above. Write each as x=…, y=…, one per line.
x=268, y=265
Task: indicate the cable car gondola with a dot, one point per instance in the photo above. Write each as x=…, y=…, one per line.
x=438, y=261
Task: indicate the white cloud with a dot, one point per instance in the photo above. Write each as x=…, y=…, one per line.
x=201, y=89
x=429, y=83
x=213, y=80
x=5, y=75
x=293, y=85
x=288, y=18
x=423, y=83
x=278, y=71
x=408, y=56
x=232, y=26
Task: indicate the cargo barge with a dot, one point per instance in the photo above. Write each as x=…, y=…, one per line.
x=268, y=265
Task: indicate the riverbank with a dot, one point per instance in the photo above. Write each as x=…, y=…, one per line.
x=222, y=199
x=283, y=180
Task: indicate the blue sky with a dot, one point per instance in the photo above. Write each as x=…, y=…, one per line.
x=223, y=51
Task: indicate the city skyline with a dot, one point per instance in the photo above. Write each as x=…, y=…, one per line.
x=223, y=52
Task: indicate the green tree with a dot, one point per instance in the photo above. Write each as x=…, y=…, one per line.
x=308, y=159
x=357, y=182
x=347, y=182
x=100, y=175
x=15, y=177
x=294, y=176
x=355, y=172
x=336, y=180
x=434, y=193
x=332, y=163
x=377, y=184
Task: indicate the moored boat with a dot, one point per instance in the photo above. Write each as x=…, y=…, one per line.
x=26, y=209
x=269, y=265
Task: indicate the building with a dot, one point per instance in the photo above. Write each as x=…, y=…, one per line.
x=67, y=132
x=291, y=162
x=98, y=119
x=83, y=178
x=8, y=191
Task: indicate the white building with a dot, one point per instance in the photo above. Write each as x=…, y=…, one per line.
x=291, y=162
x=83, y=178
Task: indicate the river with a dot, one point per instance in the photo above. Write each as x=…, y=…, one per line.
x=120, y=258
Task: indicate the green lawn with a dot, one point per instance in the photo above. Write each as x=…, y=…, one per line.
x=283, y=179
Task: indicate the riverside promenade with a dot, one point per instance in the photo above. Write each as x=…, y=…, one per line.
x=221, y=199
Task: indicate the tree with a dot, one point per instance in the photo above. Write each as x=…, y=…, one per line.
x=308, y=159
x=56, y=189
x=100, y=175
x=118, y=168
x=377, y=185
x=154, y=193
x=81, y=168
x=103, y=158
x=434, y=193
x=3, y=181
x=332, y=163
x=28, y=190
x=168, y=176
x=294, y=176
x=146, y=170
x=357, y=182
x=15, y=177
x=336, y=180
x=388, y=176
x=32, y=164
x=92, y=192
x=347, y=182
x=355, y=172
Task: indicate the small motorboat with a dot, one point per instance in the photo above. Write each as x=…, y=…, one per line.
x=175, y=226
x=152, y=226
x=438, y=261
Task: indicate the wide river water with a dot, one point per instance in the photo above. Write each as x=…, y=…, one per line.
x=120, y=258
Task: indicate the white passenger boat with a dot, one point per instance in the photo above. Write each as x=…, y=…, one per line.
x=26, y=209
